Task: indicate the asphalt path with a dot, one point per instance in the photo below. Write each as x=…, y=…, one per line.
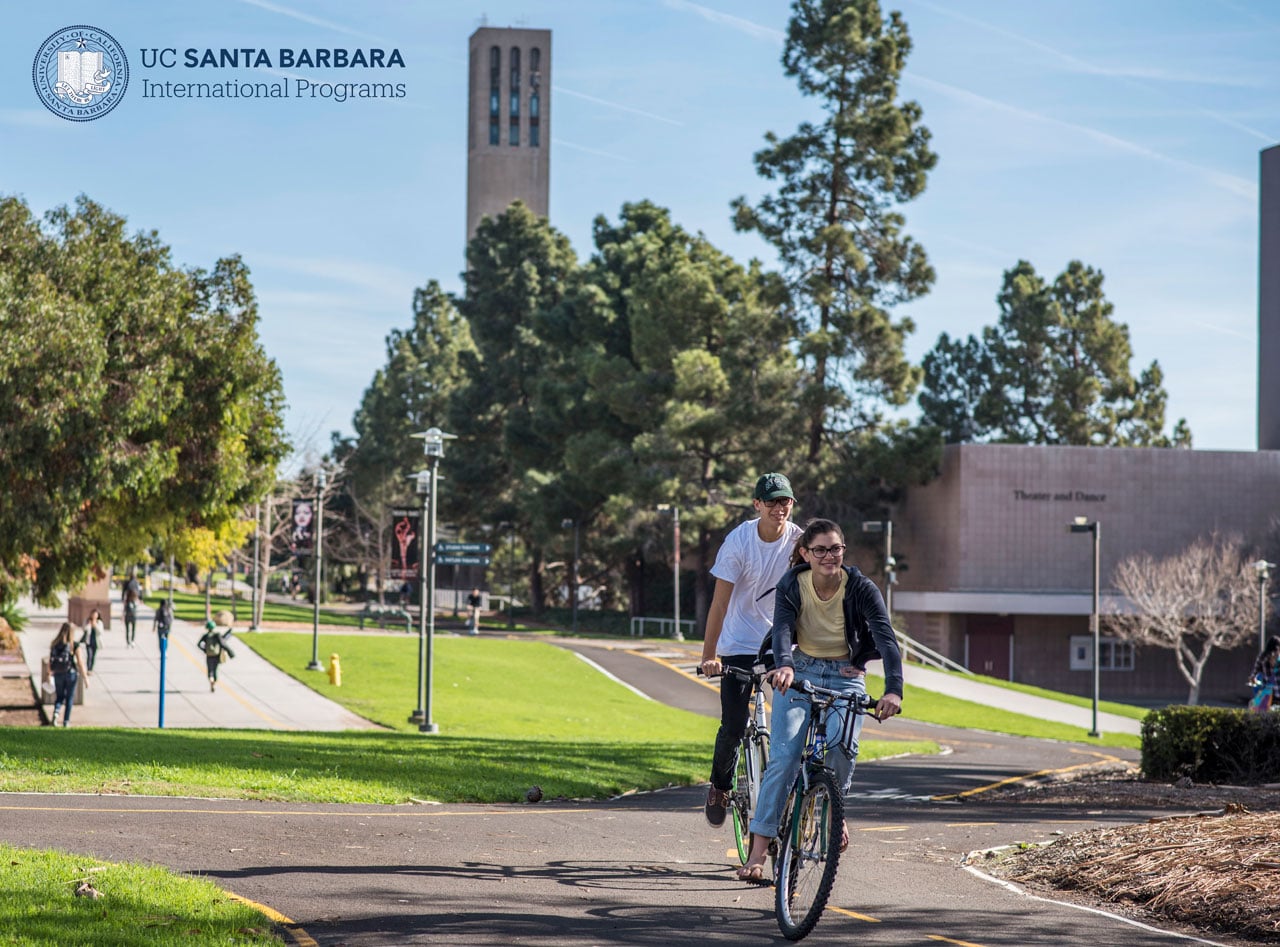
x=642, y=870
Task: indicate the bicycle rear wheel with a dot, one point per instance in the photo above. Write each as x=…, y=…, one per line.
x=809, y=856
x=752, y=756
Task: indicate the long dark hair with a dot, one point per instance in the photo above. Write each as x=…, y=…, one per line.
x=815, y=527
x=65, y=634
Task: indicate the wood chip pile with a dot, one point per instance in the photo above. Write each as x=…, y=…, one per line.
x=1213, y=870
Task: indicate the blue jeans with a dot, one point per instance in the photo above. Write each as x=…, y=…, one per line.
x=65, y=691
x=787, y=732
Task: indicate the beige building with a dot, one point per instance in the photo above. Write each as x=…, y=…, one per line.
x=508, y=122
x=998, y=582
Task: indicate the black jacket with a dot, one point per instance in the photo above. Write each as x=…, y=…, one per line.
x=866, y=625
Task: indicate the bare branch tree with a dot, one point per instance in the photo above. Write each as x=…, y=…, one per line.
x=1190, y=603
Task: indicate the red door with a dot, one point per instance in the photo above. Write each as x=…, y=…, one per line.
x=990, y=642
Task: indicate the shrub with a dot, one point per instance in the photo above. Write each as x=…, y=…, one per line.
x=13, y=616
x=1211, y=745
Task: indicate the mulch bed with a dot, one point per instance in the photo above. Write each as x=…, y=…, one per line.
x=1215, y=870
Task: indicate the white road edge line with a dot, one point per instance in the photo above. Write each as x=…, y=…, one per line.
x=1009, y=885
x=613, y=677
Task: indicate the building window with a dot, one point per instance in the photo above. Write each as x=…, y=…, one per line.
x=1113, y=654
x=495, y=95
x=535, y=81
x=513, y=136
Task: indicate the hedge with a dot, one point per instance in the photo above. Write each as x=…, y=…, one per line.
x=1211, y=745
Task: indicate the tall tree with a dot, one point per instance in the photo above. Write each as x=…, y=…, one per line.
x=1190, y=603
x=1053, y=370
x=834, y=219
x=135, y=399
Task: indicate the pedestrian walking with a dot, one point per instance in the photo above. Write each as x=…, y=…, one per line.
x=752, y=559
x=67, y=667
x=216, y=651
x=473, y=604
x=132, y=598
x=164, y=619
x=1265, y=679
x=93, y=637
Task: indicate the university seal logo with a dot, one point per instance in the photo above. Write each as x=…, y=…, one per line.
x=80, y=73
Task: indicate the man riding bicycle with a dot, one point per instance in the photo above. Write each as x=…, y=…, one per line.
x=835, y=617
x=753, y=557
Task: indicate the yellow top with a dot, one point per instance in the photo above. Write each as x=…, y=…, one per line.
x=820, y=625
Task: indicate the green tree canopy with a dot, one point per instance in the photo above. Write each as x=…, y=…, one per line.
x=1053, y=370
x=135, y=399
x=834, y=218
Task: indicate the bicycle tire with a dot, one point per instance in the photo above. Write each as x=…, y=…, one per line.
x=753, y=756
x=809, y=856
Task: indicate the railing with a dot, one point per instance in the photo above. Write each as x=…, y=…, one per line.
x=665, y=627
x=913, y=650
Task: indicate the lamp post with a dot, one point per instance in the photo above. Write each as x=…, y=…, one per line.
x=1263, y=568
x=1082, y=524
x=675, y=536
x=433, y=447
x=511, y=572
x=422, y=486
x=573, y=586
x=890, y=577
x=315, y=609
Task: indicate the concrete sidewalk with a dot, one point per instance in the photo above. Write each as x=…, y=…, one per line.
x=124, y=689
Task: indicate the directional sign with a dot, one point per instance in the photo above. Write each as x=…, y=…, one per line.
x=462, y=560
x=475, y=548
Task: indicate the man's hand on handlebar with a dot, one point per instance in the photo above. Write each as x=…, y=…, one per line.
x=711, y=666
x=888, y=705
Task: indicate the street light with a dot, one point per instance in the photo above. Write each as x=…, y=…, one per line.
x=511, y=573
x=433, y=447
x=890, y=577
x=1082, y=524
x=315, y=612
x=422, y=486
x=675, y=530
x=1263, y=568
x=573, y=587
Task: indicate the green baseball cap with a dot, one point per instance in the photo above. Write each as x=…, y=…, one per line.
x=772, y=486
x=210, y=625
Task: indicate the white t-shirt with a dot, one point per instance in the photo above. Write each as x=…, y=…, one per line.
x=754, y=567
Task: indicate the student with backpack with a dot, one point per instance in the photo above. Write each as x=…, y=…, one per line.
x=132, y=596
x=214, y=646
x=66, y=666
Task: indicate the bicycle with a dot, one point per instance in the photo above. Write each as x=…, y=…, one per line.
x=812, y=822
x=753, y=757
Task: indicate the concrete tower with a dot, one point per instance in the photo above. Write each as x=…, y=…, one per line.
x=508, y=122
x=1269, y=303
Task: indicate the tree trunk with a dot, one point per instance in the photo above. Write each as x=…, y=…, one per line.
x=702, y=586
x=635, y=584
x=537, y=593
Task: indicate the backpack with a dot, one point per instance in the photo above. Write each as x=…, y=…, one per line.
x=212, y=644
x=60, y=659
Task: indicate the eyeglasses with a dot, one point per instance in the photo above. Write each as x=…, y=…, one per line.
x=821, y=552
x=780, y=501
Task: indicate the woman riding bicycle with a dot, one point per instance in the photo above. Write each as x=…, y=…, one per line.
x=835, y=616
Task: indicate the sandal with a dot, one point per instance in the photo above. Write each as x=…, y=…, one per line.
x=752, y=874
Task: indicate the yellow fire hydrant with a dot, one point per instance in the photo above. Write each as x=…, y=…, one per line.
x=335, y=671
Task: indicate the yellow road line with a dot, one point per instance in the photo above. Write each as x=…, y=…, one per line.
x=675, y=667
x=854, y=914
x=960, y=943
x=229, y=690
x=300, y=936
x=1101, y=758
x=886, y=828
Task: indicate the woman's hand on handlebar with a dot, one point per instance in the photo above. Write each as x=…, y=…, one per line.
x=887, y=706
x=781, y=678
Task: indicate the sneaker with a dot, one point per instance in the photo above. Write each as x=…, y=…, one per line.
x=716, y=807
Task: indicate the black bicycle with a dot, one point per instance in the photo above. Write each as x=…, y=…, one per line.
x=753, y=757
x=812, y=824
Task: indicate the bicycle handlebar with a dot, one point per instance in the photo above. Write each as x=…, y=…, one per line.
x=737, y=672
x=858, y=703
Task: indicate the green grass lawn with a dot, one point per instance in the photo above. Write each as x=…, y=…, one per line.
x=189, y=606
x=140, y=904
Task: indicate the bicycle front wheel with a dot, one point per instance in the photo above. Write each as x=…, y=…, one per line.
x=809, y=857
x=752, y=756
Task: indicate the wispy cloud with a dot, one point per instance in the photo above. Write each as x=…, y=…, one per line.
x=561, y=90
x=374, y=278
x=1230, y=182
x=728, y=19
x=561, y=143
x=313, y=20
x=1127, y=75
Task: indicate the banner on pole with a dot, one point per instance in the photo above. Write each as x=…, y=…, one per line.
x=302, y=538
x=406, y=561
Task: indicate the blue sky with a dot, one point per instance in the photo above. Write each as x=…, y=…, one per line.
x=1122, y=134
